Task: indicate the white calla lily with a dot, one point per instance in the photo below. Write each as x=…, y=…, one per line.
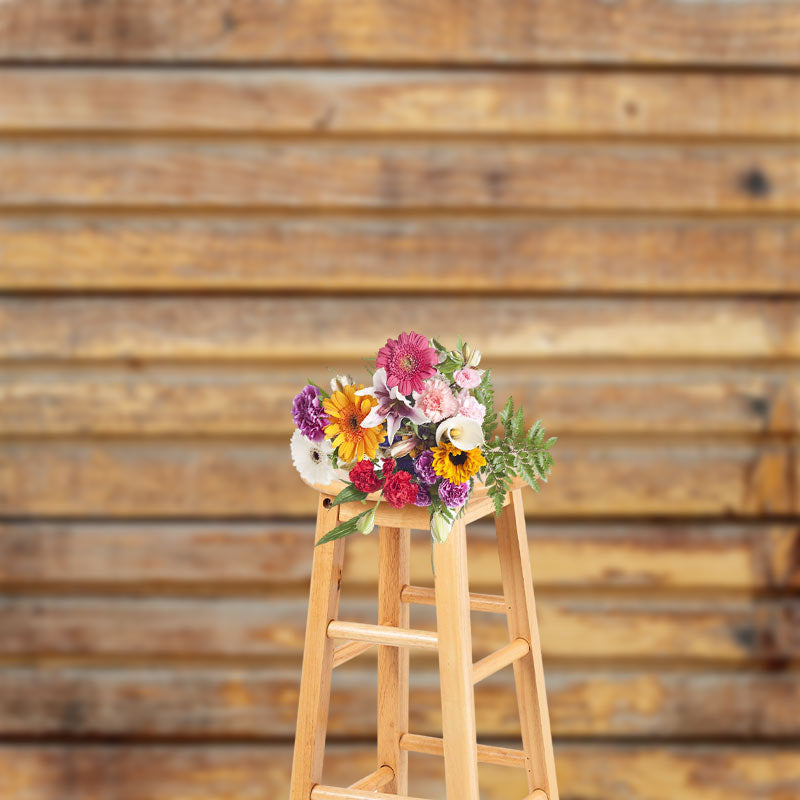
x=462, y=432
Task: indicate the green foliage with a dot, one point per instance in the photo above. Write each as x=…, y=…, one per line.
x=517, y=453
x=343, y=529
x=484, y=394
x=348, y=495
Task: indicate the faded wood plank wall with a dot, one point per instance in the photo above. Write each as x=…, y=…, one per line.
x=203, y=204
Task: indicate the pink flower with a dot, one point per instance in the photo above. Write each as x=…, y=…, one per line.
x=437, y=400
x=408, y=360
x=469, y=407
x=468, y=378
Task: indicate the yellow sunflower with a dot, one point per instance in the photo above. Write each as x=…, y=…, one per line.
x=346, y=411
x=457, y=466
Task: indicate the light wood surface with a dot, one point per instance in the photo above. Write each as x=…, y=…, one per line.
x=487, y=754
x=638, y=254
x=500, y=658
x=393, y=662
x=314, y=698
x=512, y=544
x=555, y=31
x=455, y=664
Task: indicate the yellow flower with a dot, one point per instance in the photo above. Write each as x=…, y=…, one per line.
x=457, y=466
x=346, y=411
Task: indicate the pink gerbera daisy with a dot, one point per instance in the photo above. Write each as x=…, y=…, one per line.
x=409, y=360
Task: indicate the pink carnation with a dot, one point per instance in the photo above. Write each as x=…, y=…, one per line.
x=437, y=400
x=469, y=407
x=468, y=378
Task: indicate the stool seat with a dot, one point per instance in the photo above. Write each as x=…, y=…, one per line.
x=414, y=517
x=393, y=637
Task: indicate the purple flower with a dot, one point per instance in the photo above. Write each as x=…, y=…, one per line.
x=392, y=407
x=423, y=498
x=423, y=466
x=453, y=495
x=308, y=414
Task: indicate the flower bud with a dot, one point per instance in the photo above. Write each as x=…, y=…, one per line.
x=474, y=358
x=440, y=528
x=404, y=447
x=339, y=382
x=366, y=522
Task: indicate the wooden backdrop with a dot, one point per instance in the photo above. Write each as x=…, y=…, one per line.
x=203, y=203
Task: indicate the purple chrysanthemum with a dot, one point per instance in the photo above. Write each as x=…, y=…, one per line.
x=423, y=466
x=423, y=498
x=308, y=414
x=453, y=495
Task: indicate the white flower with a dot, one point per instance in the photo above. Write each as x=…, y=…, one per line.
x=312, y=460
x=464, y=433
x=440, y=528
x=339, y=382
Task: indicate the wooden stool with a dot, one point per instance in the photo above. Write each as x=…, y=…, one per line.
x=393, y=637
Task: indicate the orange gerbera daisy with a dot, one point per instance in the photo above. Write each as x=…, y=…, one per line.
x=346, y=412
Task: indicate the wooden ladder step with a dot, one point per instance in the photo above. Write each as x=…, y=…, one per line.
x=420, y=595
x=487, y=754
x=375, y=780
x=494, y=662
x=382, y=634
x=347, y=652
x=334, y=793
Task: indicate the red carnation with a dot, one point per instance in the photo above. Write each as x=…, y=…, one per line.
x=364, y=478
x=387, y=468
x=399, y=490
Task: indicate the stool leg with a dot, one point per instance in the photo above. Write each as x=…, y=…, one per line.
x=455, y=666
x=393, y=575
x=512, y=543
x=315, y=683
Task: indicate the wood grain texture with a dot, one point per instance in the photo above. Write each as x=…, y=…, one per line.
x=681, y=178
x=290, y=330
x=574, y=399
x=336, y=254
x=577, y=31
x=223, y=704
x=236, y=478
x=368, y=101
x=706, y=630
x=256, y=772
x=240, y=557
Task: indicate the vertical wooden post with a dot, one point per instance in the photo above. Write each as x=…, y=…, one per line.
x=455, y=666
x=393, y=574
x=315, y=682
x=512, y=543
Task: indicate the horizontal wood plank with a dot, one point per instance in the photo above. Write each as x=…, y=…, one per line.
x=233, y=557
x=257, y=772
x=153, y=478
x=332, y=330
x=551, y=103
x=113, y=173
x=561, y=31
x=706, y=630
x=580, y=399
x=215, y=704
x=330, y=254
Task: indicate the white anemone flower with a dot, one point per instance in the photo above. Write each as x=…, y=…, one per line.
x=462, y=432
x=312, y=459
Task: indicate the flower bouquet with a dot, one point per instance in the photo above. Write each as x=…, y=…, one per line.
x=423, y=433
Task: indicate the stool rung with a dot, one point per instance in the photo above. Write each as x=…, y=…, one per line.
x=493, y=603
x=537, y=795
x=487, y=754
x=334, y=793
x=494, y=662
x=382, y=634
x=347, y=652
x=375, y=780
